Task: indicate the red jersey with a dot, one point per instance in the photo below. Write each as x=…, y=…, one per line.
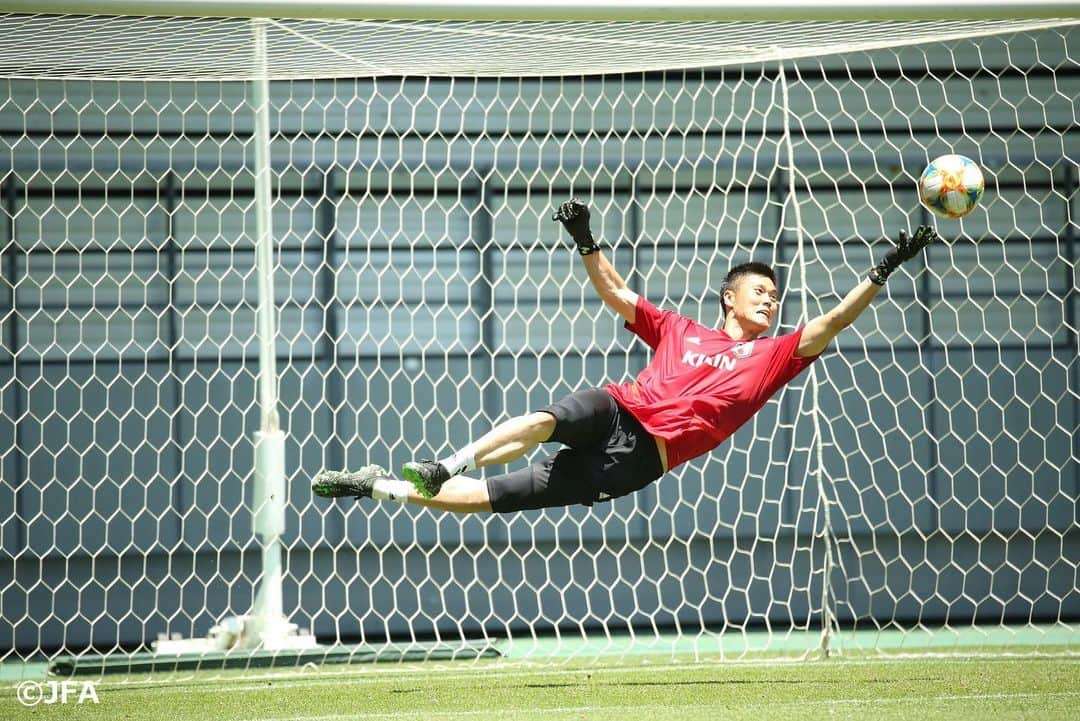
x=701, y=385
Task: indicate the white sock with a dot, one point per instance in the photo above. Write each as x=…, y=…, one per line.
x=389, y=489
x=462, y=461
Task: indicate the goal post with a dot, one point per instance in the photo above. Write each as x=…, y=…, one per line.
x=239, y=249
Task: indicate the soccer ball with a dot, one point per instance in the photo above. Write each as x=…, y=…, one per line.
x=951, y=186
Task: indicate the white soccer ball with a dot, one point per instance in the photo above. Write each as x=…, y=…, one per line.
x=951, y=186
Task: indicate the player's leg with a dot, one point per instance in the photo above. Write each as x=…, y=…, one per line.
x=504, y=443
x=564, y=479
x=458, y=494
x=429, y=483
x=580, y=419
x=509, y=441
x=624, y=460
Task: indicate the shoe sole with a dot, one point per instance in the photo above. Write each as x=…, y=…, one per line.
x=328, y=484
x=328, y=487
x=422, y=487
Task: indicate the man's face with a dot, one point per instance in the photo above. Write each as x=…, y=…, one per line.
x=752, y=302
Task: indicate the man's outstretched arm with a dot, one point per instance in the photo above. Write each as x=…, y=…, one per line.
x=820, y=331
x=612, y=289
x=610, y=286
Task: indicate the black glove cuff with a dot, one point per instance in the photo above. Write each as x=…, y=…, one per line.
x=878, y=275
x=586, y=244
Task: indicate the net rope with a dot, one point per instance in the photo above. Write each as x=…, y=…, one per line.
x=176, y=48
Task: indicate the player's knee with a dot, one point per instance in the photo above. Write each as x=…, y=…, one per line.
x=476, y=501
x=541, y=426
x=464, y=495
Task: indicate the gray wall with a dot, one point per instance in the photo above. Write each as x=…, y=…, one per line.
x=424, y=295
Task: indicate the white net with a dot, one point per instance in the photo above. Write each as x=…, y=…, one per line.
x=423, y=294
x=78, y=46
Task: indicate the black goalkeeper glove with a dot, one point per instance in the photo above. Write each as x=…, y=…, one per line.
x=574, y=215
x=906, y=249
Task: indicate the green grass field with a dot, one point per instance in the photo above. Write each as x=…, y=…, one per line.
x=633, y=688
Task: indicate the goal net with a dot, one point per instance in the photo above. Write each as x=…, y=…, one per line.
x=917, y=488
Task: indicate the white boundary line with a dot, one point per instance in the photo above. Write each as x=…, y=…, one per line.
x=801, y=704
x=393, y=673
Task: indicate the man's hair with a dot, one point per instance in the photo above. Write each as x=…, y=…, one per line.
x=732, y=278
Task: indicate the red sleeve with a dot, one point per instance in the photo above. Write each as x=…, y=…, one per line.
x=785, y=364
x=650, y=323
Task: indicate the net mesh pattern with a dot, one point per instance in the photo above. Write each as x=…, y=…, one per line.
x=921, y=478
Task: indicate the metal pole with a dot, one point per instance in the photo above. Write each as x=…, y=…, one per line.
x=264, y=242
x=326, y=210
x=492, y=401
x=929, y=353
x=167, y=201
x=267, y=626
x=1072, y=370
x=15, y=534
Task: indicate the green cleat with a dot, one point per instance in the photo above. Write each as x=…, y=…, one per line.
x=337, y=484
x=426, y=476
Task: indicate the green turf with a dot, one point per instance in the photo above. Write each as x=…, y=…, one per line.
x=628, y=688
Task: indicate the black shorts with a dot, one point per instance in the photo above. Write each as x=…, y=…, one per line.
x=609, y=455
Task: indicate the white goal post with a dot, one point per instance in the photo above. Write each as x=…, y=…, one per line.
x=246, y=241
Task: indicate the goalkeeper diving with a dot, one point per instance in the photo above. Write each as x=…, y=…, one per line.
x=701, y=385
